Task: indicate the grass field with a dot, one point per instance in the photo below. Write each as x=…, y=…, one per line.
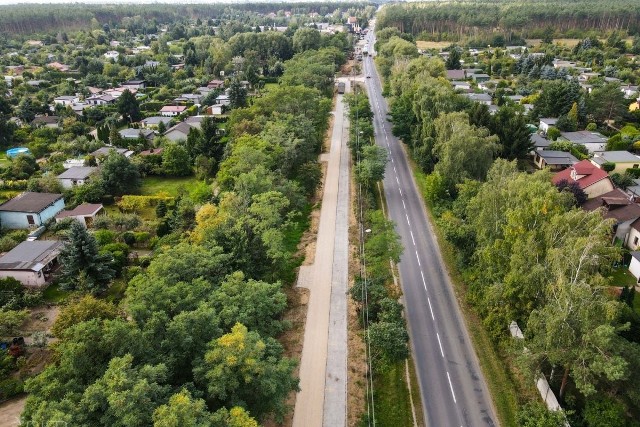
x=621, y=276
x=53, y=294
x=432, y=45
x=174, y=186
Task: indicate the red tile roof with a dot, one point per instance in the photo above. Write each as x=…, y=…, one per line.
x=587, y=174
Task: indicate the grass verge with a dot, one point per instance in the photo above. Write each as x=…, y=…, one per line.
x=391, y=397
x=501, y=386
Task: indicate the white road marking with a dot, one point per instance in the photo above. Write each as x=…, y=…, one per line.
x=405, y=206
x=451, y=386
x=430, y=308
x=408, y=222
x=400, y=190
x=440, y=344
x=418, y=258
x=424, y=282
x=412, y=239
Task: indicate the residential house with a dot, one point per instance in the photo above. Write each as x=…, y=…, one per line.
x=557, y=63
x=585, y=77
x=482, y=98
x=178, y=132
x=131, y=133
x=36, y=83
x=456, y=75
x=151, y=152
x=622, y=159
x=594, y=141
x=223, y=100
x=172, y=110
x=151, y=64
x=66, y=100
x=73, y=163
x=46, y=121
x=481, y=77
x=619, y=207
x=75, y=176
x=215, y=110
x=63, y=68
x=461, y=85
x=539, y=142
x=85, y=213
x=630, y=92
x=104, y=151
x=216, y=84
x=554, y=160
x=188, y=98
x=100, y=99
x=195, y=121
x=112, y=54
x=634, y=266
x=516, y=99
x=31, y=262
x=153, y=122
x=546, y=123
x=591, y=179
x=134, y=84
x=29, y=210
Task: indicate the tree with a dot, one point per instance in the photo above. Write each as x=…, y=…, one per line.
x=370, y=169
x=537, y=415
x=574, y=188
x=129, y=107
x=389, y=341
x=257, y=305
x=453, y=60
x=604, y=411
x=240, y=368
x=607, y=103
x=125, y=395
x=175, y=160
x=81, y=310
x=306, y=39
x=182, y=410
x=235, y=417
x=162, y=128
x=119, y=175
x=553, y=133
x=576, y=330
x=463, y=151
x=11, y=320
x=237, y=94
x=513, y=134
x=83, y=267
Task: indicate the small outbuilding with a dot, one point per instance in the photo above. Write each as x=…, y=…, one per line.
x=30, y=210
x=31, y=263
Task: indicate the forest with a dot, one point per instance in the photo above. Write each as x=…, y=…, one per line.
x=512, y=20
x=41, y=18
x=525, y=250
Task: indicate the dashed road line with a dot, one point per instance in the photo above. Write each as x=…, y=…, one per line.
x=451, y=386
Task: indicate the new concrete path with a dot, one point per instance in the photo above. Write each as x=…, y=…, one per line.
x=323, y=367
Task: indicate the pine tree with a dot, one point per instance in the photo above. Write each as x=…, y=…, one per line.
x=84, y=268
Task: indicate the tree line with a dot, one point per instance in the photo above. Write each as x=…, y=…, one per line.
x=531, y=19
x=21, y=19
x=527, y=252
x=194, y=340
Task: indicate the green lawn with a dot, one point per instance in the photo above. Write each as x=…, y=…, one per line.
x=53, y=294
x=174, y=186
x=621, y=277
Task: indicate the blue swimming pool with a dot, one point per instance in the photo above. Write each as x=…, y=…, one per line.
x=13, y=152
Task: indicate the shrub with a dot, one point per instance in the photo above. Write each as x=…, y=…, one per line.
x=104, y=237
x=553, y=133
x=129, y=238
x=634, y=172
x=608, y=166
x=591, y=127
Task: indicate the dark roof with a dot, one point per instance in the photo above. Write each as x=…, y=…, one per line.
x=45, y=120
x=30, y=202
x=456, y=74
x=616, y=204
x=182, y=127
x=539, y=141
x=552, y=157
x=78, y=172
x=85, y=209
x=30, y=255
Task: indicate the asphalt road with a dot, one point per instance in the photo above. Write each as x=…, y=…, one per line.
x=454, y=392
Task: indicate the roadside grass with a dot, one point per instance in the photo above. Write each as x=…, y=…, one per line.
x=504, y=391
x=391, y=397
x=54, y=295
x=292, y=235
x=174, y=186
x=415, y=392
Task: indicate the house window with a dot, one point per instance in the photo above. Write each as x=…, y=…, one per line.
x=30, y=220
x=635, y=241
